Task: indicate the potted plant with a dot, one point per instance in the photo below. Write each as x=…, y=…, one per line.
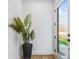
x=23, y=28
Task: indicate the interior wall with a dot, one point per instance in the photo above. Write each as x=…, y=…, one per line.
x=42, y=23
x=15, y=9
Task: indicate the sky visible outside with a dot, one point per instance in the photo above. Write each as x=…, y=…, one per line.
x=63, y=19
x=63, y=13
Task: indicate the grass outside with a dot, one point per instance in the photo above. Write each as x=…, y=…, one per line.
x=63, y=41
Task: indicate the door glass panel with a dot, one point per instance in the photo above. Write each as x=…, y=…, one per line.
x=63, y=41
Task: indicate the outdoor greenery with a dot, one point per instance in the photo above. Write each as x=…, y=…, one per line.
x=23, y=28
x=63, y=41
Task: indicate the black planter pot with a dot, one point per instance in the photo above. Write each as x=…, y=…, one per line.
x=27, y=50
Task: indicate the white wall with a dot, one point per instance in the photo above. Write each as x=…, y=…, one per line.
x=42, y=23
x=15, y=9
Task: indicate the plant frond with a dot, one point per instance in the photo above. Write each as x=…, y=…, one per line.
x=27, y=20
x=32, y=34
x=14, y=27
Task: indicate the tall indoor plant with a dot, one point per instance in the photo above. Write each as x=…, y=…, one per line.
x=23, y=28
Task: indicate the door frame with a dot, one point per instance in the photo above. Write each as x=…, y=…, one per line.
x=56, y=24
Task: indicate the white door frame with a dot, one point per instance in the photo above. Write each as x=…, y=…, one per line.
x=56, y=5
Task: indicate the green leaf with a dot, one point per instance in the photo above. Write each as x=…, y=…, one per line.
x=14, y=27
x=27, y=20
x=32, y=34
x=19, y=23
